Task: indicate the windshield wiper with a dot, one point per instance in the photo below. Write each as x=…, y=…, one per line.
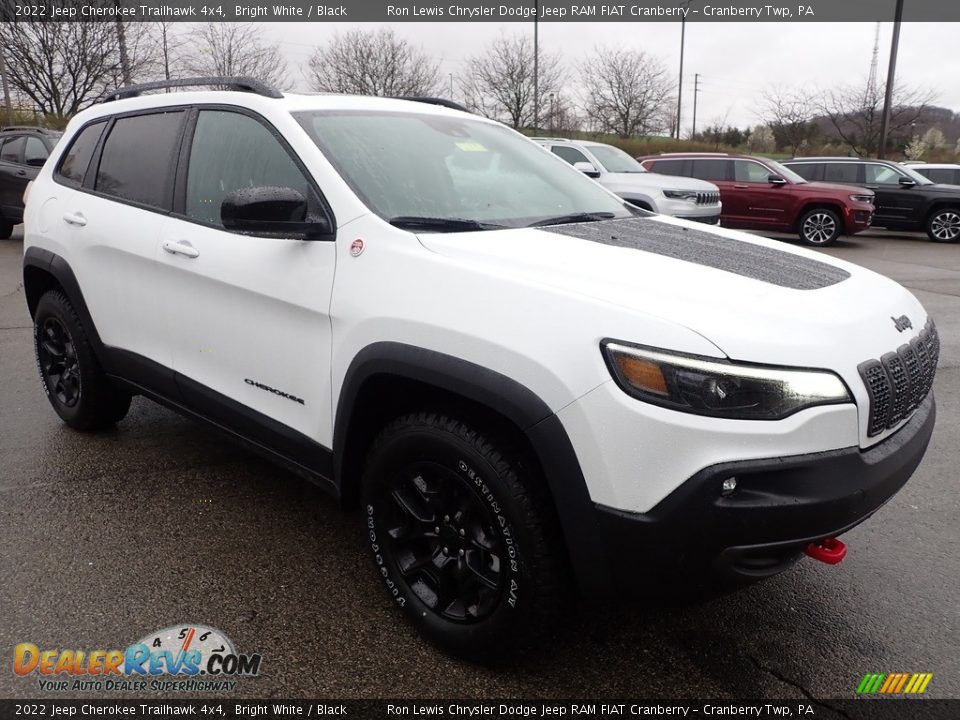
x=439, y=224
x=573, y=218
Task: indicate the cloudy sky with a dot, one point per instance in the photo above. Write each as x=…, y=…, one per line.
x=736, y=60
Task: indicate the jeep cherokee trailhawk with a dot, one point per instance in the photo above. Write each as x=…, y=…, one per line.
x=523, y=384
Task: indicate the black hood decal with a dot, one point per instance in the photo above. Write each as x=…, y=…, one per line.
x=704, y=248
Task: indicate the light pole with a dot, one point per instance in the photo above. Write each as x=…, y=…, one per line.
x=696, y=91
x=536, y=64
x=683, y=38
x=891, y=73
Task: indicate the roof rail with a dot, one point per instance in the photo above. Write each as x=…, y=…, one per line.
x=551, y=139
x=27, y=128
x=240, y=83
x=442, y=102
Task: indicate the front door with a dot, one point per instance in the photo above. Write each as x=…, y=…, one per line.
x=248, y=316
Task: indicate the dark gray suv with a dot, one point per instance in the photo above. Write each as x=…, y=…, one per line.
x=23, y=151
x=905, y=199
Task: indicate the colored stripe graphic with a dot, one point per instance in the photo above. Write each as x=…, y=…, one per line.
x=894, y=683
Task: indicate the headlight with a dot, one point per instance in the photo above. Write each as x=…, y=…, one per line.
x=717, y=388
x=681, y=195
x=862, y=198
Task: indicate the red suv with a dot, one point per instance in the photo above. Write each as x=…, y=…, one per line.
x=760, y=194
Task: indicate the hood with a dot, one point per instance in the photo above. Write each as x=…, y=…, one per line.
x=756, y=299
x=942, y=189
x=655, y=181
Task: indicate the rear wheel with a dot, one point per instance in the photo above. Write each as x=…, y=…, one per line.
x=461, y=537
x=820, y=227
x=944, y=225
x=75, y=384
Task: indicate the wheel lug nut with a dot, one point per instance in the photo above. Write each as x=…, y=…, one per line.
x=437, y=529
x=461, y=553
x=446, y=518
x=462, y=532
x=446, y=551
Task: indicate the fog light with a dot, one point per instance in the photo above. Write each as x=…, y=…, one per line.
x=729, y=485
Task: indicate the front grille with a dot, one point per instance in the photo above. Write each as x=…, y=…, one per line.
x=899, y=381
x=708, y=198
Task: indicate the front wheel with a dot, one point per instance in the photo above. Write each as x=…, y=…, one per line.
x=820, y=227
x=944, y=225
x=461, y=537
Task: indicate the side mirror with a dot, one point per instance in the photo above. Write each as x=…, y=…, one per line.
x=907, y=182
x=272, y=212
x=587, y=169
x=776, y=180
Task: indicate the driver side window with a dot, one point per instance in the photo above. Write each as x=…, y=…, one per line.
x=882, y=175
x=231, y=151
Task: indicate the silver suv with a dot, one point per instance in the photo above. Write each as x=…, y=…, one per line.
x=681, y=197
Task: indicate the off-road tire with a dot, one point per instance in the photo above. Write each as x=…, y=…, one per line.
x=75, y=384
x=435, y=465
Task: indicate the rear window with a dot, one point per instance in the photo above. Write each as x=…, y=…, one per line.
x=808, y=171
x=139, y=157
x=940, y=175
x=710, y=169
x=842, y=172
x=11, y=150
x=75, y=161
x=667, y=167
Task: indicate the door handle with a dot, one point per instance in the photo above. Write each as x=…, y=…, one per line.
x=181, y=248
x=742, y=187
x=75, y=219
x=21, y=173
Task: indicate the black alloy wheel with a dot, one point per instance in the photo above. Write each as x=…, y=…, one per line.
x=57, y=355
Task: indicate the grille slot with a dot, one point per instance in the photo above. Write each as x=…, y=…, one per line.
x=900, y=380
x=708, y=198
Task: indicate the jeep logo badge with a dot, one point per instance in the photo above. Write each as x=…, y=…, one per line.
x=902, y=323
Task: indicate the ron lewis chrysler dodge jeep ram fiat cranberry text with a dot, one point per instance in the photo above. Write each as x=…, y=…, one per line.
x=522, y=383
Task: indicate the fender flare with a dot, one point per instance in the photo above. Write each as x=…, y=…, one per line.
x=506, y=397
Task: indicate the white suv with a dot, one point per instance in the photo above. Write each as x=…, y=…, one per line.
x=524, y=385
x=681, y=197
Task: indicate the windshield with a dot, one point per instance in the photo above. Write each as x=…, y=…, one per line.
x=615, y=160
x=425, y=169
x=785, y=172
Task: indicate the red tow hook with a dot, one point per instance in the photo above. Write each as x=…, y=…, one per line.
x=829, y=550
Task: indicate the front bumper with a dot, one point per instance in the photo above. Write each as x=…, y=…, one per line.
x=698, y=536
x=706, y=219
x=858, y=218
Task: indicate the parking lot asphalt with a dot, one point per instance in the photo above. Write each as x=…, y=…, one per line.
x=106, y=537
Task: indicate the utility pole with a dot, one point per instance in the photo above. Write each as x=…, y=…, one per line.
x=683, y=39
x=451, y=86
x=6, y=90
x=696, y=91
x=891, y=79
x=536, y=64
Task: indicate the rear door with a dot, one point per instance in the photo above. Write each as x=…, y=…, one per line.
x=114, y=220
x=249, y=316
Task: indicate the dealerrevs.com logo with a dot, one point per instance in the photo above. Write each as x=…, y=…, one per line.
x=184, y=658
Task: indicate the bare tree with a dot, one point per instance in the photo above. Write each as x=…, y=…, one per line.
x=855, y=114
x=372, y=62
x=626, y=91
x=790, y=113
x=225, y=49
x=170, y=49
x=62, y=67
x=499, y=84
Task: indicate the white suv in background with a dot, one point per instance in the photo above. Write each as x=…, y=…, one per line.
x=681, y=197
x=524, y=384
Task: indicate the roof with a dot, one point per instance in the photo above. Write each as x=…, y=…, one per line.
x=838, y=158
x=936, y=166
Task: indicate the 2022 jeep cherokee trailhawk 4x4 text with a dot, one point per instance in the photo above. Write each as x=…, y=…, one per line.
x=523, y=384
